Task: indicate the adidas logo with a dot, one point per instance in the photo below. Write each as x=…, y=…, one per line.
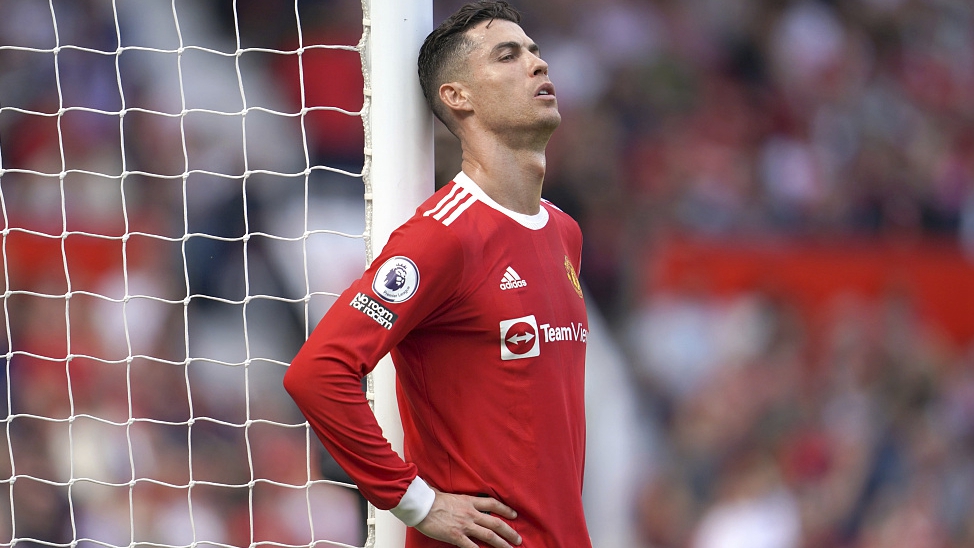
x=511, y=280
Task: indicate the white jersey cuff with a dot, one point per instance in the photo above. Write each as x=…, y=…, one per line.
x=416, y=503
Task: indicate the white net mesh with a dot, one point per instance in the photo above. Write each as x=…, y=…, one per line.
x=182, y=199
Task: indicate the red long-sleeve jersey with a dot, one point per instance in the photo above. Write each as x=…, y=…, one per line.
x=482, y=311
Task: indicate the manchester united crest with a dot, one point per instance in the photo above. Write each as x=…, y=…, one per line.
x=572, y=276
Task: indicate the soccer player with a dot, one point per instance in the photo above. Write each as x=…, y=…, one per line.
x=478, y=300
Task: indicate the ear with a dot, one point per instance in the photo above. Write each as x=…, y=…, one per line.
x=456, y=97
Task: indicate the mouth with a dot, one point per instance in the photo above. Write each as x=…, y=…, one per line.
x=546, y=90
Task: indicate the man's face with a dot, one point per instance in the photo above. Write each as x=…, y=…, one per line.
x=508, y=80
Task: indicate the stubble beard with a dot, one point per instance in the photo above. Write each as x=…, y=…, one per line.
x=545, y=126
x=536, y=131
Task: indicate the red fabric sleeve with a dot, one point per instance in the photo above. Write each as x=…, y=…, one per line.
x=325, y=377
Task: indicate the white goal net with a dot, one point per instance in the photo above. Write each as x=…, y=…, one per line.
x=180, y=205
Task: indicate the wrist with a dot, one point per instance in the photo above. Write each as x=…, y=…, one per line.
x=415, y=504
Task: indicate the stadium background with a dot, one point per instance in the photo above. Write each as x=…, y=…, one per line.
x=777, y=199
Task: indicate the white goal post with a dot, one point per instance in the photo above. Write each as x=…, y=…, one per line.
x=399, y=136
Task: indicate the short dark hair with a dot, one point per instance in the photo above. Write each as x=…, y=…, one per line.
x=443, y=50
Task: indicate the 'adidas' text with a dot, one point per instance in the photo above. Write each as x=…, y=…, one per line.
x=511, y=280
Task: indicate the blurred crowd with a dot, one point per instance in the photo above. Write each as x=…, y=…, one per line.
x=722, y=120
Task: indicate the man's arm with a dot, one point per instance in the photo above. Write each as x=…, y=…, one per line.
x=330, y=396
x=325, y=380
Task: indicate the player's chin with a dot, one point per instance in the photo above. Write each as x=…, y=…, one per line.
x=551, y=120
x=541, y=124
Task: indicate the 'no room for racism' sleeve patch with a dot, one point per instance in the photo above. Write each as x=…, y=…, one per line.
x=373, y=309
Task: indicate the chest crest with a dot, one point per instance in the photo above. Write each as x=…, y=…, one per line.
x=572, y=276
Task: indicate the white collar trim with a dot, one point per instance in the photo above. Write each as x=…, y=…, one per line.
x=533, y=222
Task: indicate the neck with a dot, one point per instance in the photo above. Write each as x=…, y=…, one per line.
x=511, y=176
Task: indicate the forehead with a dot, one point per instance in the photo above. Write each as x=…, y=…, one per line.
x=488, y=34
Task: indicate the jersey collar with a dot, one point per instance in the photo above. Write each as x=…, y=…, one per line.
x=533, y=222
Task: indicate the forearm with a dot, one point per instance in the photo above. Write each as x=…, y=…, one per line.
x=330, y=397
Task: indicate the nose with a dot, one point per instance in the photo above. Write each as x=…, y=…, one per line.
x=539, y=65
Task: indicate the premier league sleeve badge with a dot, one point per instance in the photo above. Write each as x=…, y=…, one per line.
x=396, y=280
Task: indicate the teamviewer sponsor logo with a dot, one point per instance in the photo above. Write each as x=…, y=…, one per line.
x=571, y=332
x=519, y=338
x=373, y=309
x=511, y=280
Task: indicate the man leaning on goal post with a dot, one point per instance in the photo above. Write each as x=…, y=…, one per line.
x=477, y=298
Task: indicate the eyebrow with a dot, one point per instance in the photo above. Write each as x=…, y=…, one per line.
x=532, y=47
